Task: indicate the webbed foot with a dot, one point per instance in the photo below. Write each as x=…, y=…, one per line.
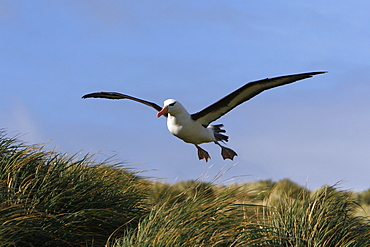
x=227, y=153
x=202, y=154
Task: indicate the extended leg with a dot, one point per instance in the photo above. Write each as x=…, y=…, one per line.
x=227, y=153
x=202, y=154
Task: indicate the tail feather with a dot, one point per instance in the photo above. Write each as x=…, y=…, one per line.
x=216, y=132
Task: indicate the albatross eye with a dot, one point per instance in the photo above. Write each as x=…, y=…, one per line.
x=172, y=104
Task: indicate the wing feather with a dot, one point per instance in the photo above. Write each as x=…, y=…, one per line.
x=114, y=95
x=246, y=92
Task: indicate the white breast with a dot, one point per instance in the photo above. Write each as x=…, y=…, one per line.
x=188, y=130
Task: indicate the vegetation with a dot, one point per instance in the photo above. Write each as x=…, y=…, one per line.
x=52, y=199
x=49, y=199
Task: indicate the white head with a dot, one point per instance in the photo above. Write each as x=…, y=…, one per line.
x=172, y=107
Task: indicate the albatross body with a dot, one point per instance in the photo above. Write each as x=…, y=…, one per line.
x=195, y=128
x=180, y=124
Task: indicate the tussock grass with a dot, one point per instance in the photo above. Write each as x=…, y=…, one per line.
x=364, y=197
x=322, y=218
x=196, y=216
x=52, y=199
x=203, y=214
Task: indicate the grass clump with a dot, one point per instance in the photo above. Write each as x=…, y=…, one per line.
x=196, y=216
x=322, y=218
x=50, y=199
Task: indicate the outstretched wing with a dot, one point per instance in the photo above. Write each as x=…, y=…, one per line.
x=246, y=92
x=114, y=95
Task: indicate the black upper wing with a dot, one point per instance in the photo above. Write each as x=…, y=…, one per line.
x=246, y=92
x=113, y=95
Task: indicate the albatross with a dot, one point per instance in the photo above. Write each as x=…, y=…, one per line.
x=195, y=128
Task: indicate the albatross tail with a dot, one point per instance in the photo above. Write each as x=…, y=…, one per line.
x=217, y=132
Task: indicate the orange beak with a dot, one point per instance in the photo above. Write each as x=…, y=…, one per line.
x=163, y=111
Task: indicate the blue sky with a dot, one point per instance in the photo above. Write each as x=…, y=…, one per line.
x=313, y=132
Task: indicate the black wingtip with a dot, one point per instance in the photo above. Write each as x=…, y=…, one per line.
x=86, y=96
x=311, y=74
x=91, y=95
x=318, y=72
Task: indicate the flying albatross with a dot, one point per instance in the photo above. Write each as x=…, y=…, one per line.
x=195, y=128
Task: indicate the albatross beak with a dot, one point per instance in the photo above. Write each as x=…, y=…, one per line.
x=163, y=111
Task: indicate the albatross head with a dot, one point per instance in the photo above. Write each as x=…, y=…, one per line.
x=172, y=107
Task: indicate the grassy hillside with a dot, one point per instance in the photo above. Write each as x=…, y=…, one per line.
x=52, y=199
